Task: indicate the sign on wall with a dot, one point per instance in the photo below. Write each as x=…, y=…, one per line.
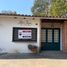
x=24, y=34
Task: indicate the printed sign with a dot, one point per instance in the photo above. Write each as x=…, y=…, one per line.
x=24, y=34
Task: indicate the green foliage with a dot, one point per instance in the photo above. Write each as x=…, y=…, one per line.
x=55, y=8
x=58, y=8
x=39, y=7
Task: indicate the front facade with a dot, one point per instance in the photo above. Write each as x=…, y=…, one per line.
x=47, y=33
x=11, y=40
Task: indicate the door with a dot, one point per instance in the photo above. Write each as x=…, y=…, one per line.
x=50, y=39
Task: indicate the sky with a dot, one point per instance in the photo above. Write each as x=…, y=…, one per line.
x=20, y=6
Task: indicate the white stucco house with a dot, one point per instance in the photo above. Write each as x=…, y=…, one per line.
x=18, y=31
x=9, y=42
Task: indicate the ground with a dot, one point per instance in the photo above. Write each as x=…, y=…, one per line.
x=33, y=63
x=44, y=59
x=41, y=55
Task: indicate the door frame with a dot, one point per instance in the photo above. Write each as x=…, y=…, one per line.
x=60, y=38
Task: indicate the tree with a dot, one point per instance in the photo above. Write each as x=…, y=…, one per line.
x=40, y=7
x=58, y=8
x=50, y=8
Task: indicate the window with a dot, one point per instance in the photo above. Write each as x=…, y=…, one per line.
x=49, y=35
x=43, y=35
x=24, y=34
x=56, y=35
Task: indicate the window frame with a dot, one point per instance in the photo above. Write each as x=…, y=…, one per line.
x=15, y=35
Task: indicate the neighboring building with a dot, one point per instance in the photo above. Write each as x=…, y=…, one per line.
x=19, y=31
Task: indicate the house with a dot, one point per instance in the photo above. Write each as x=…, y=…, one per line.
x=18, y=31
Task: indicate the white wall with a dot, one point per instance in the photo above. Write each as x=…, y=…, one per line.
x=6, y=30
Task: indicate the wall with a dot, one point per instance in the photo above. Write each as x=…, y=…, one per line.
x=65, y=36
x=6, y=30
x=51, y=25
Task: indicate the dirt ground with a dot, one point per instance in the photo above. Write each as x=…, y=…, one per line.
x=44, y=59
x=33, y=63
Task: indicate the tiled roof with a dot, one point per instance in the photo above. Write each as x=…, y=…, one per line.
x=14, y=14
x=55, y=17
